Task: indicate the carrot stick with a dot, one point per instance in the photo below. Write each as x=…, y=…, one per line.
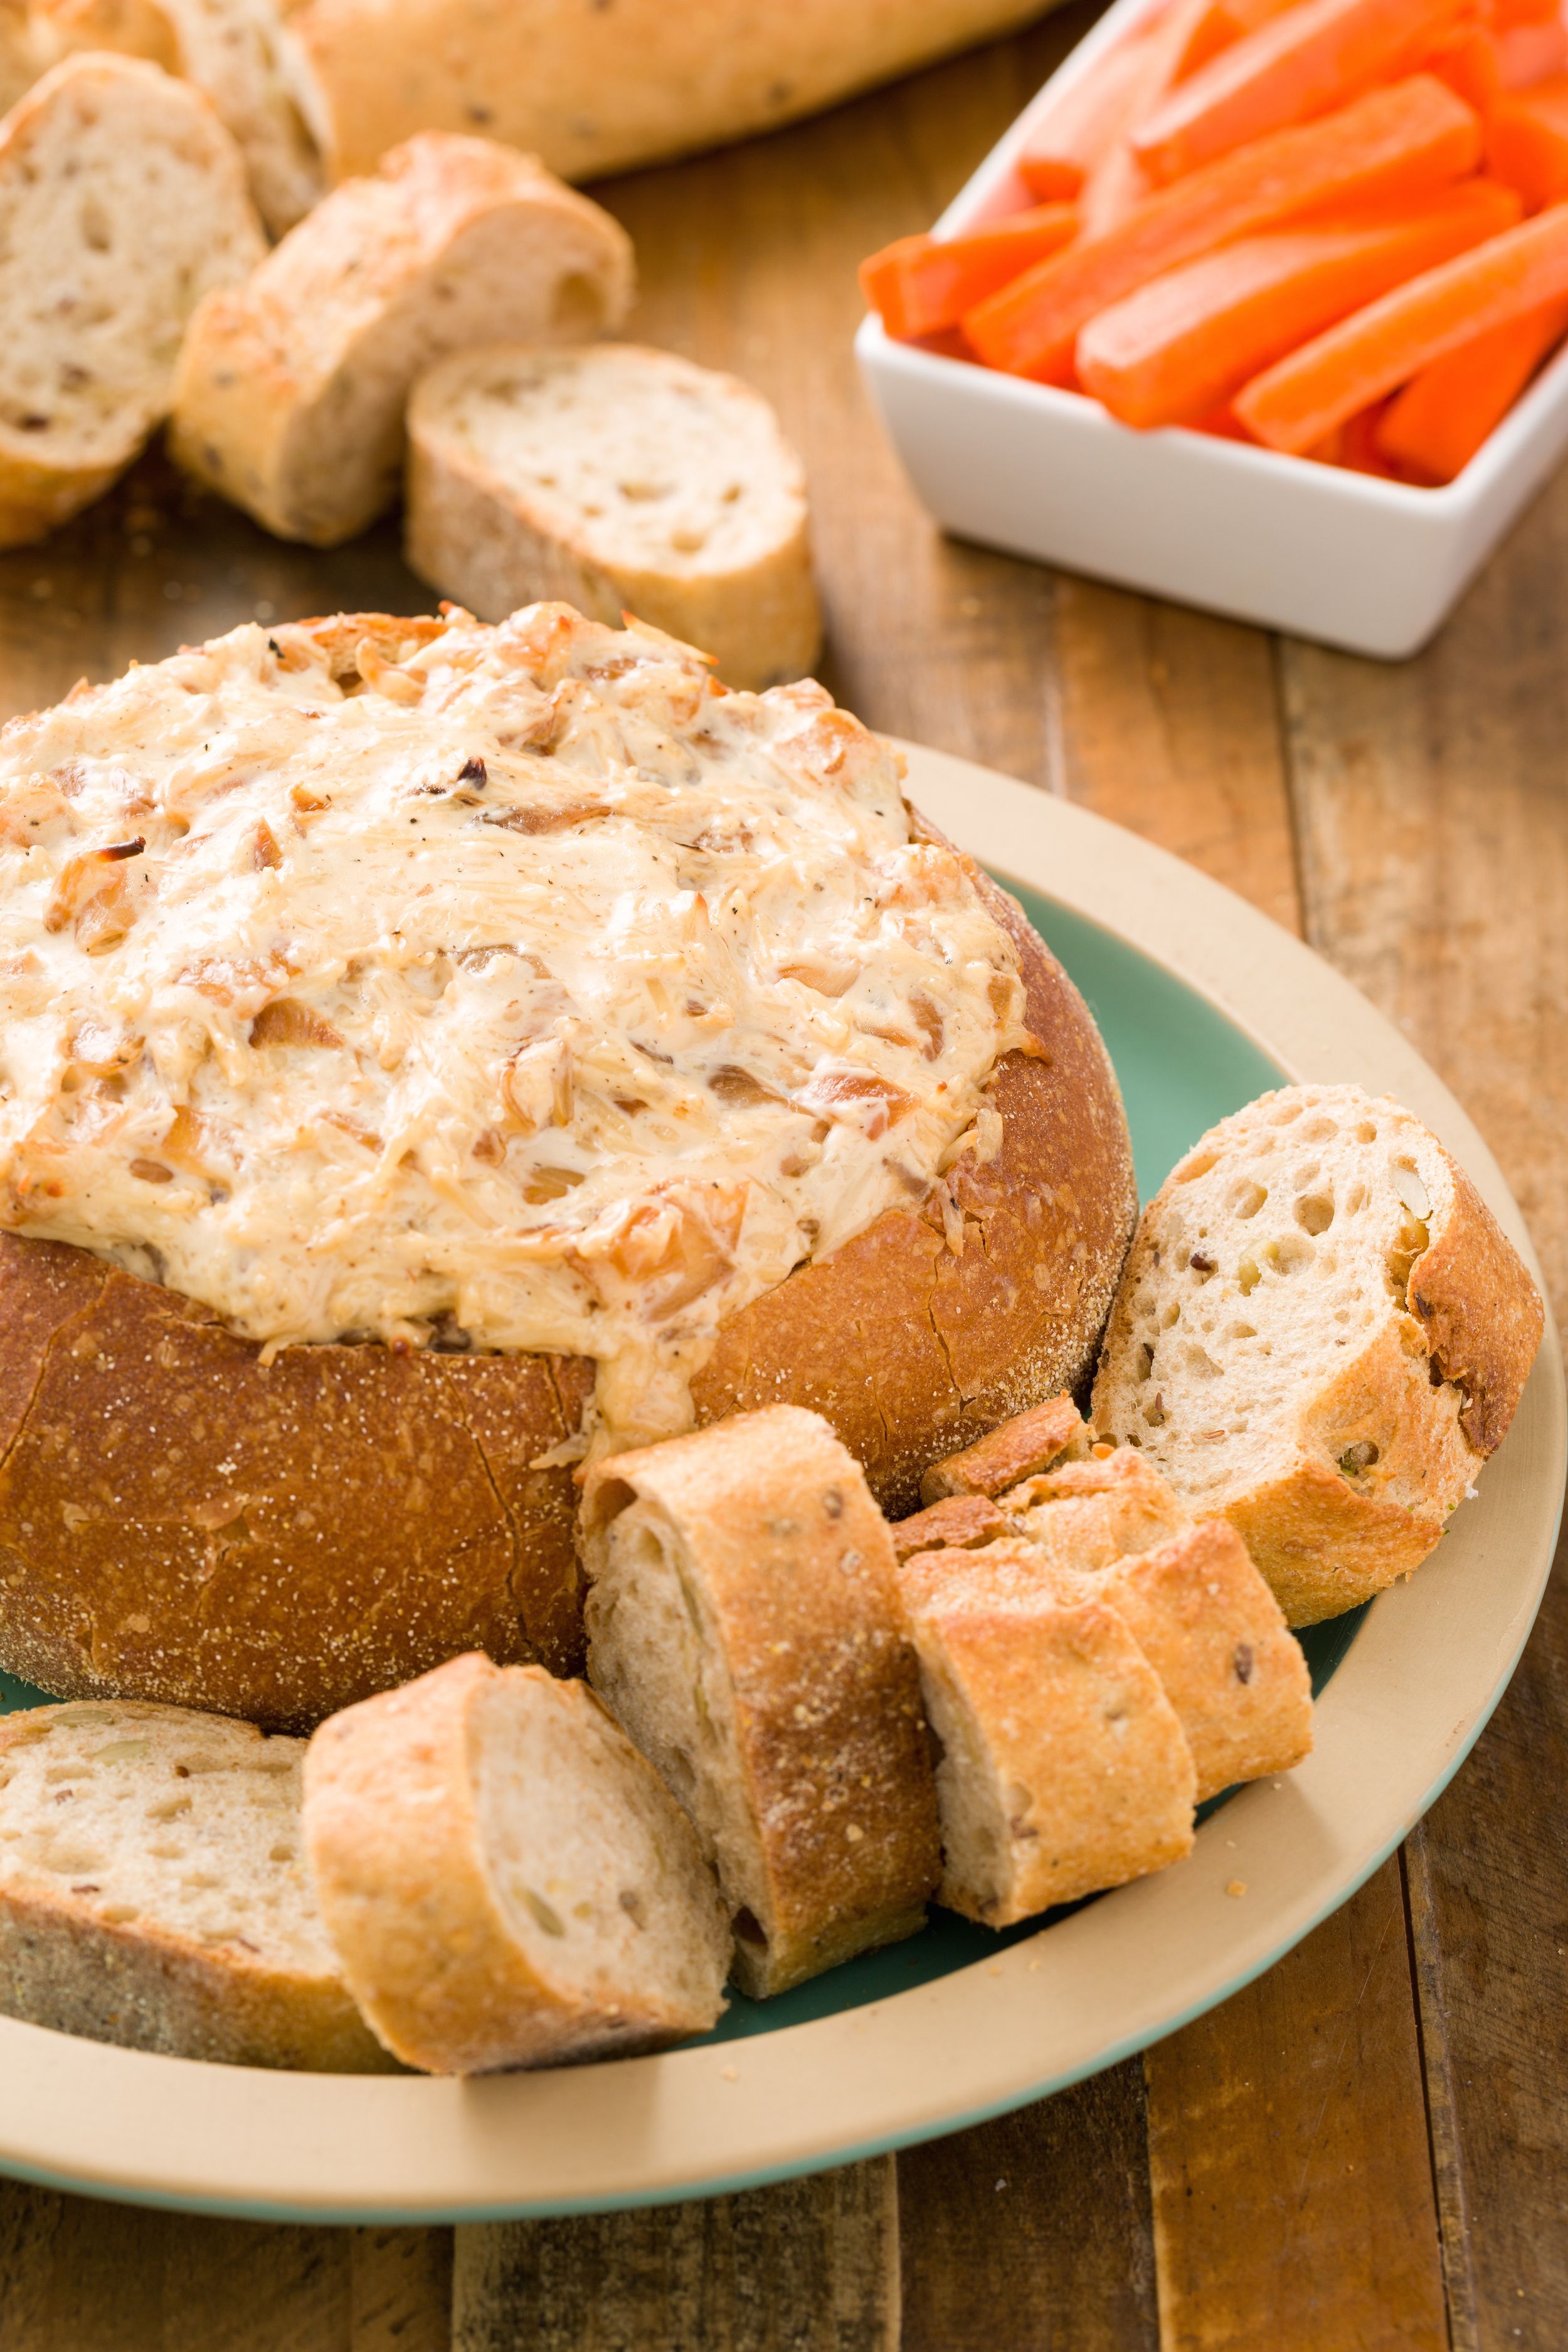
x=1245, y=16
x=1507, y=13
x=1469, y=63
x=1435, y=426
x=1182, y=39
x=1528, y=54
x=919, y=284
x=1075, y=129
x=1527, y=143
x=1395, y=145
x=1183, y=343
x=1316, y=55
x=1300, y=399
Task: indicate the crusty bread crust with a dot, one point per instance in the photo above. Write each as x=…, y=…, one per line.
x=791, y=1570
x=408, y=1894
x=1466, y=1317
x=1018, y=1449
x=599, y=89
x=292, y=388
x=147, y=1987
x=180, y=1523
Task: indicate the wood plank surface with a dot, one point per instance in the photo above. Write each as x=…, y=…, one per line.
x=1369, y=2148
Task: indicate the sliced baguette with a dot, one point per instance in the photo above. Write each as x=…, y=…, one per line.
x=504, y=1879
x=123, y=200
x=1019, y=1448
x=154, y=1890
x=1111, y=1530
x=744, y=1625
x=293, y=388
x=1320, y=1335
x=615, y=479
x=234, y=52
x=1063, y=1767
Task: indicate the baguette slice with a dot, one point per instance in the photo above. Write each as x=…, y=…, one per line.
x=506, y=1882
x=154, y=1890
x=1018, y=1449
x=123, y=200
x=744, y=1625
x=1063, y=1766
x=615, y=479
x=233, y=51
x=1321, y=1335
x=292, y=389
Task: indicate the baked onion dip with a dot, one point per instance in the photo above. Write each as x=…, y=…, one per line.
x=527, y=992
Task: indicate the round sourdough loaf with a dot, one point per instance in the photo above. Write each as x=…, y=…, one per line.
x=198, y=1505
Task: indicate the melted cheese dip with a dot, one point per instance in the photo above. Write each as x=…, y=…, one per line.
x=526, y=991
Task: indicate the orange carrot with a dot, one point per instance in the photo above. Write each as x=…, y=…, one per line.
x=1183, y=343
x=1245, y=17
x=1531, y=53
x=1074, y=130
x=1469, y=62
x=1527, y=143
x=1435, y=426
x=1392, y=146
x=1299, y=400
x=1188, y=33
x=1316, y=55
x=919, y=284
x=1506, y=12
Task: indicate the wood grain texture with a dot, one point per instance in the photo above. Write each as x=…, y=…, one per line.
x=76, y=2276
x=1292, y=2193
x=1435, y=854
x=1032, y=2233
x=809, y=2266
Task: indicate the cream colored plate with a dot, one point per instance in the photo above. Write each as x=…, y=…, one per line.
x=1397, y=1718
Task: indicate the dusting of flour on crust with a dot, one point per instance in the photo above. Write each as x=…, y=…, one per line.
x=526, y=990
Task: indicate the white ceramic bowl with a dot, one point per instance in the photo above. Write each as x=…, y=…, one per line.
x=1357, y=561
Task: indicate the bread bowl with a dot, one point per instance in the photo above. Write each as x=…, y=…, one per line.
x=213, y=1499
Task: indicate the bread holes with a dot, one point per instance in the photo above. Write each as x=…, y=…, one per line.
x=1315, y=1212
x=1358, y=1459
x=1247, y=1200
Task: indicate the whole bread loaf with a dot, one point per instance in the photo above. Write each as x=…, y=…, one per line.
x=594, y=89
x=206, y=1503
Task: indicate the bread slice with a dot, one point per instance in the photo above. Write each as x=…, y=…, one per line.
x=153, y=1891
x=292, y=389
x=1109, y=1528
x=505, y=1881
x=1062, y=1766
x=1321, y=1335
x=1029, y=1442
x=616, y=478
x=234, y=52
x=744, y=1625
x=123, y=200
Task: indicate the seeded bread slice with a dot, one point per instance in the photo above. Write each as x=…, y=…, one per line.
x=1321, y=1335
x=293, y=388
x=744, y=1625
x=233, y=51
x=153, y=1891
x=615, y=479
x=1062, y=1766
x=505, y=1880
x=123, y=199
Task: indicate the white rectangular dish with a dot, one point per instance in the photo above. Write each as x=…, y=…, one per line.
x=1370, y=565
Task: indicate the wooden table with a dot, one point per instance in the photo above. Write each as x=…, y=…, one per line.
x=1368, y=2148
